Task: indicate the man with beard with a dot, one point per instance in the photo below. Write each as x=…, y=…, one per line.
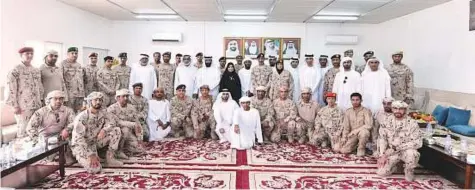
x=348, y=53
x=379, y=118
x=322, y=70
x=331, y=73
x=402, y=79
x=285, y=116
x=309, y=76
x=270, y=48
x=53, y=120
x=90, y=77
x=133, y=133
x=279, y=78
x=233, y=49
x=178, y=57
x=52, y=75
x=307, y=111
x=375, y=84
x=199, y=60
x=123, y=71
x=266, y=112
x=223, y=110
x=246, y=126
x=94, y=129
x=156, y=59
x=165, y=75
x=347, y=82
x=222, y=64
x=252, y=49
x=140, y=103
x=290, y=50
x=357, y=126
x=400, y=139
x=74, y=79
x=327, y=130
x=145, y=74
x=209, y=76
x=238, y=66
x=185, y=75
x=108, y=81
x=202, y=114
x=181, y=104
x=260, y=74
x=245, y=77
x=294, y=71
x=367, y=55
x=272, y=61
x=159, y=115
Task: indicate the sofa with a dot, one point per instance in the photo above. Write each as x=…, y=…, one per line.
x=8, y=127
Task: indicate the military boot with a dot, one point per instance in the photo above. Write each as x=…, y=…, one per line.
x=121, y=155
x=110, y=159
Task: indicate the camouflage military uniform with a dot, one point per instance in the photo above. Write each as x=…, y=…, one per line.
x=359, y=122
x=400, y=139
x=123, y=73
x=328, y=128
x=49, y=122
x=278, y=80
x=108, y=82
x=52, y=78
x=25, y=92
x=90, y=78
x=165, y=74
x=181, y=119
x=141, y=105
x=402, y=82
x=202, y=108
x=329, y=79
x=307, y=113
x=379, y=117
x=260, y=76
x=285, y=116
x=127, y=119
x=267, y=113
x=74, y=78
x=84, y=141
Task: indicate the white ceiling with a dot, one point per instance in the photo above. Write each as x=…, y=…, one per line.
x=369, y=11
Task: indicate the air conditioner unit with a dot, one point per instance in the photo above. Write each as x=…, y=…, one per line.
x=167, y=37
x=341, y=40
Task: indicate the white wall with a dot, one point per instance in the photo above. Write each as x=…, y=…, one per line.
x=437, y=46
x=47, y=20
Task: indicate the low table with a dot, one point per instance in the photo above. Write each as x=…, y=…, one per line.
x=59, y=148
x=461, y=162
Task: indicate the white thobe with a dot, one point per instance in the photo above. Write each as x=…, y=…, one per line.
x=223, y=114
x=245, y=77
x=310, y=77
x=375, y=86
x=322, y=72
x=344, y=89
x=145, y=75
x=186, y=75
x=295, y=75
x=249, y=123
x=158, y=110
x=208, y=76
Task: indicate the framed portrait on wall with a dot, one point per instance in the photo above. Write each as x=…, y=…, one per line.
x=232, y=47
x=272, y=47
x=290, y=47
x=252, y=47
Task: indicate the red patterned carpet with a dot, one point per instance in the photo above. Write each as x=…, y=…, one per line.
x=207, y=164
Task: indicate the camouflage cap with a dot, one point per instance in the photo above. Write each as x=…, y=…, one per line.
x=95, y=95
x=122, y=92
x=399, y=104
x=55, y=94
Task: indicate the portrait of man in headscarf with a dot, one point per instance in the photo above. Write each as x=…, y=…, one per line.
x=291, y=48
x=271, y=47
x=252, y=47
x=232, y=47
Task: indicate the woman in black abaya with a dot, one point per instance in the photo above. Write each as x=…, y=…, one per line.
x=230, y=80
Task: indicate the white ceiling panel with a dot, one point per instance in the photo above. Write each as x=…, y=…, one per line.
x=249, y=5
x=197, y=10
x=299, y=11
x=352, y=7
x=102, y=8
x=144, y=6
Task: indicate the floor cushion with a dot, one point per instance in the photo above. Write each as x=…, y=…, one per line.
x=457, y=116
x=463, y=130
x=440, y=113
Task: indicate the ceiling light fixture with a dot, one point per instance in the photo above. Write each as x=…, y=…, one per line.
x=328, y=17
x=245, y=12
x=156, y=16
x=242, y=17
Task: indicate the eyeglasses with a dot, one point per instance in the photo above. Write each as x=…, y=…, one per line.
x=344, y=81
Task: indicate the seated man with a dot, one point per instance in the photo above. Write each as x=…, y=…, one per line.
x=52, y=120
x=247, y=126
x=223, y=110
x=94, y=129
x=127, y=120
x=357, y=125
x=181, y=104
x=400, y=137
x=141, y=105
x=159, y=115
x=202, y=114
x=266, y=111
x=285, y=115
x=379, y=117
x=328, y=125
x=307, y=109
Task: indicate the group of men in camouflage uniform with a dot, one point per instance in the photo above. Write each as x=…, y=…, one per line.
x=113, y=119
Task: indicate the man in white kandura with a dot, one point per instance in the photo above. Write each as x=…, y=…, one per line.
x=159, y=115
x=223, y=110
x=309, y=76
x=375, y=84
x=347, y=81
x=145, y=74
x=208, y=75
x=185, y=74
x=245, y=77
x=246, y=126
